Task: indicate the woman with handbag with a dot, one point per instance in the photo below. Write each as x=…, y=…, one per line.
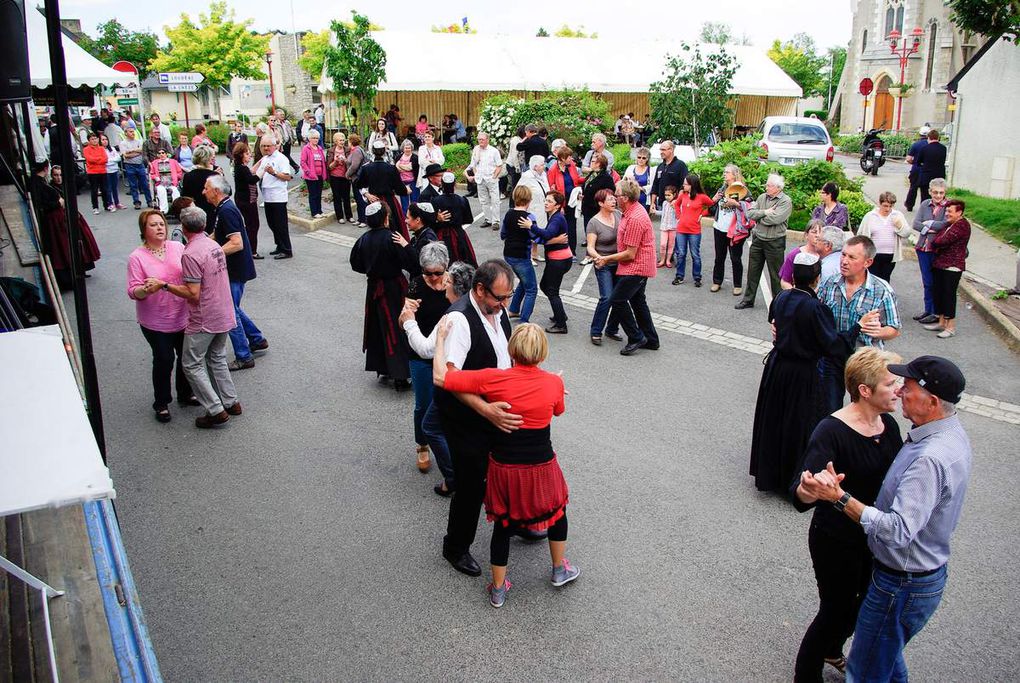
x=732, y=200
x=387, y=138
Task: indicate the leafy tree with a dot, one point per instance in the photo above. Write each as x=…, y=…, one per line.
x=542, y=33
x=313, y=46
x=830, y=78
x=356, y=64
x=567, y=32
x=988, y=17
x=799, y=59
x=720, y=33
x=218, y=47
x=114, y=43
x=693, y=96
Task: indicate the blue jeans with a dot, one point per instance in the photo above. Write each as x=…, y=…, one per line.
x=523, y=301
x=421, y=379
x=411, y=196
x=359, y=201
x=924, y=261
x=433, y=430
x=685, y=242
x=245, y=332
x=138, y=181
x=833, y=385
x=112, y=182
x=606, y=278
x=895, y=609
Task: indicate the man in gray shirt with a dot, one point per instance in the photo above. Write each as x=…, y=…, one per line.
x=908, y=528
x=771, y=212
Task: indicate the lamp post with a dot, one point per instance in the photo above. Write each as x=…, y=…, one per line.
x=272, y=92
x=903, y=50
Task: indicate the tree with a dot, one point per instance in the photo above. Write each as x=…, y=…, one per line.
x=356, y=64
x=799, y=59
x=693, y=96
x=218, y=47
x=830, y=77
x=115, y=43
x=567, y=32
x=720, y=33
x=542, y=33
x=314, y=46
x=988, y=17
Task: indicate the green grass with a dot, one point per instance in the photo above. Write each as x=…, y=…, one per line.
x=999, y=217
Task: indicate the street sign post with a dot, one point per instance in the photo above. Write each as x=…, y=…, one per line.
x=132, y=92
x=168, y=78
x=865, y=88
x=181, y=87
x=127, y=101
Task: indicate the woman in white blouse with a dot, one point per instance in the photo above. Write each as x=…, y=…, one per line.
x=428, y=153
x=889, y=230
x=387, y=138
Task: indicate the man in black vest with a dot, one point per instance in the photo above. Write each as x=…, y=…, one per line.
x=479, y=331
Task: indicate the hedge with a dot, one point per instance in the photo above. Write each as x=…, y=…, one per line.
x=458, y=156
x=217, y=132
x=896, y=145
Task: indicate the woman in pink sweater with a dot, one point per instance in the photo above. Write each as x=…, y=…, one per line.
x=315, y=171
x=161, y=315
x=166, y=175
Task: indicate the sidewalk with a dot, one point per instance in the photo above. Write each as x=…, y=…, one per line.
x=991, y=264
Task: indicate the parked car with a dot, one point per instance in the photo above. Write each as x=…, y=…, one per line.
x=791, y=140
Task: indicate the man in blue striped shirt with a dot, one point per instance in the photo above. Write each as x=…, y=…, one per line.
x=850, y=295
x=909, y=526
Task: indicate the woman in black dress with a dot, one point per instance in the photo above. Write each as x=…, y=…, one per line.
x=789, y=398
x=194, y=180
x=49, y=205
x=598, y=179
x=380, y=258
x=861, y=440
x=246, y=195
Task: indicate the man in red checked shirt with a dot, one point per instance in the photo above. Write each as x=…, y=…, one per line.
x=635, y=243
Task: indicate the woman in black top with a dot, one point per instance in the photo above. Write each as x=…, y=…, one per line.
x=194, y=181
x=49, y=205
x=517, y=253
x=598, y=179
x=860, y=440
x=246, y=194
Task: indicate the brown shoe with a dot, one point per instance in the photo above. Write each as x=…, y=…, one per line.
x=714, y=287
x=235, y=409
x=210, y=421
x=424, y=461
x=737, y=291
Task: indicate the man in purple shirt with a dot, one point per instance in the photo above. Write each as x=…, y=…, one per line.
x=210, y=319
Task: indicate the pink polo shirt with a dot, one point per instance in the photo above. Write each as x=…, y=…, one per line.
x=204, y=263
x=160, y=311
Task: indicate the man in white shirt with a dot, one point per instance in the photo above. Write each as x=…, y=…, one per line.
x=273, y=170
x=164, y=130
x=486, y=166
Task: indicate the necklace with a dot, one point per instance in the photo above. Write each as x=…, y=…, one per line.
x=158, y=253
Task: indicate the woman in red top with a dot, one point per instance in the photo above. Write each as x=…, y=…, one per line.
x=95, y=167
x=526, y=488
x=950, y=245
x=690, y=206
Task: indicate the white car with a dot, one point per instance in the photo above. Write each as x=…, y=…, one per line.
x=791, y=140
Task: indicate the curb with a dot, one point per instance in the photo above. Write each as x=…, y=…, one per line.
x=309, y=224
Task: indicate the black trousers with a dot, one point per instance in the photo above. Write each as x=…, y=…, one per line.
x=469, y=452
x=552, y=278
x=946, y=284
x=97, y=185
x=736, y=252
x=164, y=346
x=843, y=572
x=882, y=266
x=499, y=546
x=915, y=184
x=631, y=308
x=276, y=219
x=922, y=186
x=571, y=215
x=341, y=197
x=286, y=152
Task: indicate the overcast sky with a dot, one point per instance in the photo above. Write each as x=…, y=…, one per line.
x=762, y=21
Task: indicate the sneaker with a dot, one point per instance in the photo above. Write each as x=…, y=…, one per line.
x=715, y=288
x=256, y=347
x=697, y=283
x=112, y=209
x=678, y=281
x=928, y=319
x=341, y=221
x=138, y=206
x=497, y=596
x=95, y=212
x=933, y=327
x=241, y=364
x=564, y=574
x=121, y=207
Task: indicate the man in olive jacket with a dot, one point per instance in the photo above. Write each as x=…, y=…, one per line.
x=771, y=212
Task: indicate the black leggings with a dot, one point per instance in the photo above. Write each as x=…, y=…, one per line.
x=552, y=278
x=499, y=546
x=341, y=197
x=882, y=267
x=97, y=183
x=722, y=247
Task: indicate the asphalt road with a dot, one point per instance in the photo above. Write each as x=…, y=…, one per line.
x=300, y=543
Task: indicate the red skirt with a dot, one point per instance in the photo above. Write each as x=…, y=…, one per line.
x=525, y=496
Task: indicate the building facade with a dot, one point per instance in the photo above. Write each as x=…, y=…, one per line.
x=943, y=51
x=292, y=89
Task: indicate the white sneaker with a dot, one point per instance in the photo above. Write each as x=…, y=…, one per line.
x=95, y=212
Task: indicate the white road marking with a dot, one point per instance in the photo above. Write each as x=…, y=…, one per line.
x=1001, y=411
x=580, y=279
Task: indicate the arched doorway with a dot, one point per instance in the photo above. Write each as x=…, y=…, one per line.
x=883, y=104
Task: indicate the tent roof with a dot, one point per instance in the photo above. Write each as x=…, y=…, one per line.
x=82, y=68
x=478, y=62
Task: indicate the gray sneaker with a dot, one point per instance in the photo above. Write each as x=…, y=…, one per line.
x=497, y=596
x=564, y=574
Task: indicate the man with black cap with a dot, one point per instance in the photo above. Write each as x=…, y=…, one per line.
x=434, y=175
x=382, y=180
x=909, y=527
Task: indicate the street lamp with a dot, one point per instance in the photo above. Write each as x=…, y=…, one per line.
x=903, y=51
x=272, y=92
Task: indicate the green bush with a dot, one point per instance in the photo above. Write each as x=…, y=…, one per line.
x=458, y=156
x=857, y=205
x=822, y=114
x=217, y=132
x=896, y=145
x=574, y=115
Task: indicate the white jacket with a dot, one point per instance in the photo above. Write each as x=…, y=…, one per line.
x=900, y=225
x=539, y=185
x=647, y=187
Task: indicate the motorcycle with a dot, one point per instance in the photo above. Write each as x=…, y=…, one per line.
x=872, y=152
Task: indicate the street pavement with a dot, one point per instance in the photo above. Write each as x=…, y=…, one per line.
x=300, y=543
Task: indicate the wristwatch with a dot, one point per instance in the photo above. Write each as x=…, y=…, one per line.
x=842, y=502
x=166, y=287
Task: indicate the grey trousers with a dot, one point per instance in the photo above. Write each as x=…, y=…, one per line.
x=205, y=362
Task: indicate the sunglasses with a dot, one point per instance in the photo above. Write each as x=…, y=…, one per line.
x=642, y=157
x=431, y=273
x=500, y=299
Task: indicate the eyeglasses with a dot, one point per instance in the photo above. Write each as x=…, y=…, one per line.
x=642, y=157
x=500, y=299
x=431, y=273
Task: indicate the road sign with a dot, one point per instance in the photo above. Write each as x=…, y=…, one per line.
x=125, y=92
x=180, y=77
x=866, y=86
x=182, y=87
x=126, y=101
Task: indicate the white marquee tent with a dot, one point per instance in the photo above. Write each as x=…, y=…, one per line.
x=82, y=68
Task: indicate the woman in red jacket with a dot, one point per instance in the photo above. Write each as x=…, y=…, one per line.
x=950, y=245
x=563, y=177
x=95, y=167
x=690, y=205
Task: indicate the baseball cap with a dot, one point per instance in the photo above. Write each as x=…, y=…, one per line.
x=938, y=376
